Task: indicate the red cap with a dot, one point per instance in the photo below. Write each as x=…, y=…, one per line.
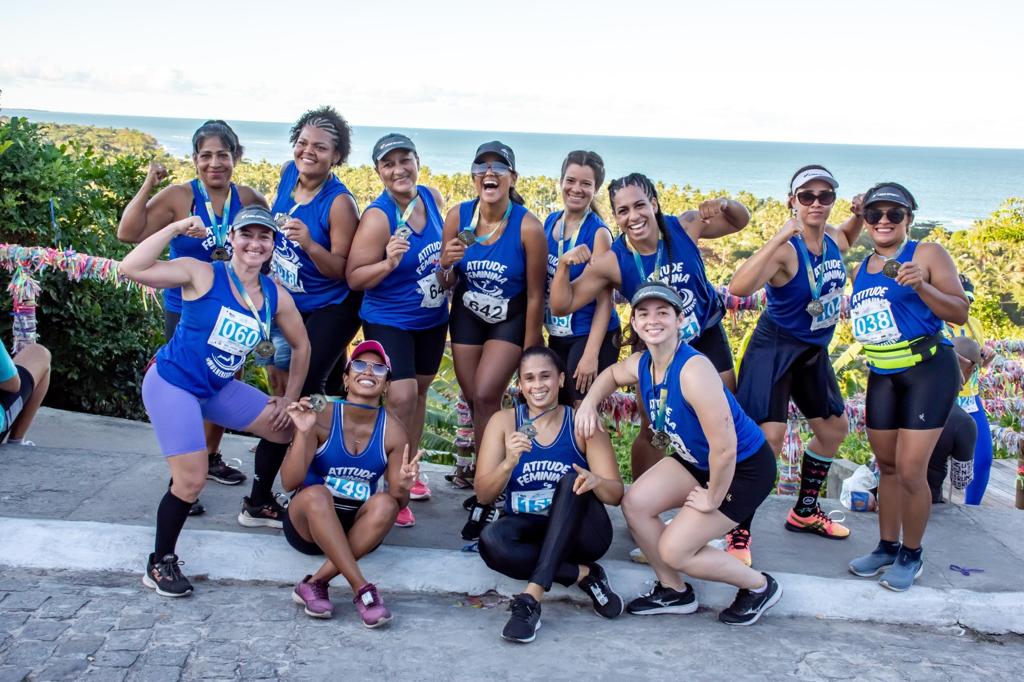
x=371, y=347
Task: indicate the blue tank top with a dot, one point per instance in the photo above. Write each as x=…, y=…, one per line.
x=531, y=487
x=883, y=313
x=683, y=268
x=352, y=479
x=410, y=296
x=496, y=273
x=579, y=322
x=292, y=267
x=787, y=304
x=681, y=421
x=215, y=335
x=194, y=247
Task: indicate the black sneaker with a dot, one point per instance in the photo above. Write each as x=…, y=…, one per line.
x=270, y=514
x=597, y=587
x=748, y=606
x=165, y=577
x=663, y=599
x=221, y=472
x=479, y=516
x=197, y=509
x=522, y=626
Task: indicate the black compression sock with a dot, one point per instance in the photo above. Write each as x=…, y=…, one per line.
x=267, y=463
x=813, y=473
x=170, y=519
x=888, y=547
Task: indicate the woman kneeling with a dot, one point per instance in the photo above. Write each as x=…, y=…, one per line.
x=336, y=461
x=555, y=486
x=714, y=444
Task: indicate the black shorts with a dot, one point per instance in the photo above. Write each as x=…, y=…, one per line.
x=346, y=516
x=570, y=349
x=752, y=483
x=412, y=351
x=916, y=399
x=713, y=343
x=13, y=402
x=468, y=329
x=330, y=330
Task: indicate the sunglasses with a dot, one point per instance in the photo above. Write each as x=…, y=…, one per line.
x=873, y=216
x=807, y=197
x=496, y=167
x=360, y=366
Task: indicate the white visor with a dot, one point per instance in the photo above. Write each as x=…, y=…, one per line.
x=812, y=174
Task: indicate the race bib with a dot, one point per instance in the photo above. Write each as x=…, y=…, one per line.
x=532, y=501
x=873, y=322
x=968, y=403
x=432, y=291
x=347, y=488
x=690, y=329
x=833, y=302
x=487, y=308
x=287, y=273
x=557, y=325
x=234, y=333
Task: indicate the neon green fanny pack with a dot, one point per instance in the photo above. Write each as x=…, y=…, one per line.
x=903, y=354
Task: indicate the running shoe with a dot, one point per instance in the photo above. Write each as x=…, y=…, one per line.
x=270, y=514
x=420, y=490
x=405, y=518
x=872, y=564
x=748, y=606
x=312, y=594
x=818, y=523
x=221, y=472
x=903, y=572
x=637, y=556
x=197, y=509
x=165, y=577
x=524, y=622
x=596, y=585
x=462, y=476
x=479, y=516
x=737, y=543
x=663, y=599
x=371, y=607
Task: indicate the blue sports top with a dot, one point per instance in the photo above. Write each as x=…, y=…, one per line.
x=410, y=297
x=194, y=247
x=787, y=304
x=579, y=322
x=7, y=368
x=682, y=266
x=352, y=479
x=531, y=487
x=215, y=335
x=883, y=312
x=681, y=423
x=494, y=274
x=292, y=267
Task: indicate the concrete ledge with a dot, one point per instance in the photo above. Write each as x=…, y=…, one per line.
x=221, y=555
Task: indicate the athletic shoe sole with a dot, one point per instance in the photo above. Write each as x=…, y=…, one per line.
x=772, y=601
x=902, y=589
x=522, y=641
x=151, y=584
x=254, y=522
x=682, y=609
x=224, y=481
x=382, y=621
x=419, y=498
x=880, y=569
x=298, y=600
x=808, y=529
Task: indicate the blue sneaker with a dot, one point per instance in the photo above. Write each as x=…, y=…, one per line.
x=872, y=564
x=903, y=572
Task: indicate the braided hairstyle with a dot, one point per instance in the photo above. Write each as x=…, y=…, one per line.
x=326, y=118
x=647, y=187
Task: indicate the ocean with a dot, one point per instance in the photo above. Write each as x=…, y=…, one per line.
x=953, y=186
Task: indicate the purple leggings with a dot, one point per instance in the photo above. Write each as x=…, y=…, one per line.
x=177, y=415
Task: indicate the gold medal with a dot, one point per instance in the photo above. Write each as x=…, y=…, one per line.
x=265, y=349
x=220, y=254
x=891, y=268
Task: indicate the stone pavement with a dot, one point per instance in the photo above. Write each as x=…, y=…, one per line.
x=102, y=626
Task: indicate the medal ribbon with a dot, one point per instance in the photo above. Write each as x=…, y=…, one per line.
x=644, y=277
x=815, y=283
x=527, y=420
x=476, y=219
x=295, y=204
x=219, y=229
x=343, y=401
x=403, y=218
x=662, y=388
x=898, y=253
x=561, y=234
x=263, y=325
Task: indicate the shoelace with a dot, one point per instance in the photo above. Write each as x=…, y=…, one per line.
x=740, y=539
x=520, y=608
x=171, y=568
x=319, y=589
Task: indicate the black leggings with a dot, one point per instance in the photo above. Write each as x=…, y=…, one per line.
x=571, y=348
x=330, y=330
x=543, y=550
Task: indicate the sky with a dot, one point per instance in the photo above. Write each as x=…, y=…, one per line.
x=938, y=73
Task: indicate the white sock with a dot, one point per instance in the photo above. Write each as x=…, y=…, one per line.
x=761, y=589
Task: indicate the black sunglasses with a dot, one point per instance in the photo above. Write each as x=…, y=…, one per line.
x=807, y=197
x=873, y=216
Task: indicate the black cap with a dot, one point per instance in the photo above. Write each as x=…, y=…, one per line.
x=389, y=143
x=659, y=291
x=254, y=215
x=499, y=148
x=891, y=192
x=968, y=286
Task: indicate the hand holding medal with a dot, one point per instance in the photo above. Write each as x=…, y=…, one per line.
x=516, y=443
x=302, y=415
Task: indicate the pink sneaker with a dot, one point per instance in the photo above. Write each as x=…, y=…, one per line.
x=313, y=595
x=420, y=490
x=405, y=519
x=371, y=607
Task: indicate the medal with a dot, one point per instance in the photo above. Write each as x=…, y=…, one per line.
x=280, y=219
x=402, y=229
x=219, y=228
x=891, y=268
x=265, y=349
x=467, y=237
x=403, y=232
x=655, y=275
x=318, y=402
x=661, y=440
x=528, y=430
x=815, y=307
x=220, y=254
